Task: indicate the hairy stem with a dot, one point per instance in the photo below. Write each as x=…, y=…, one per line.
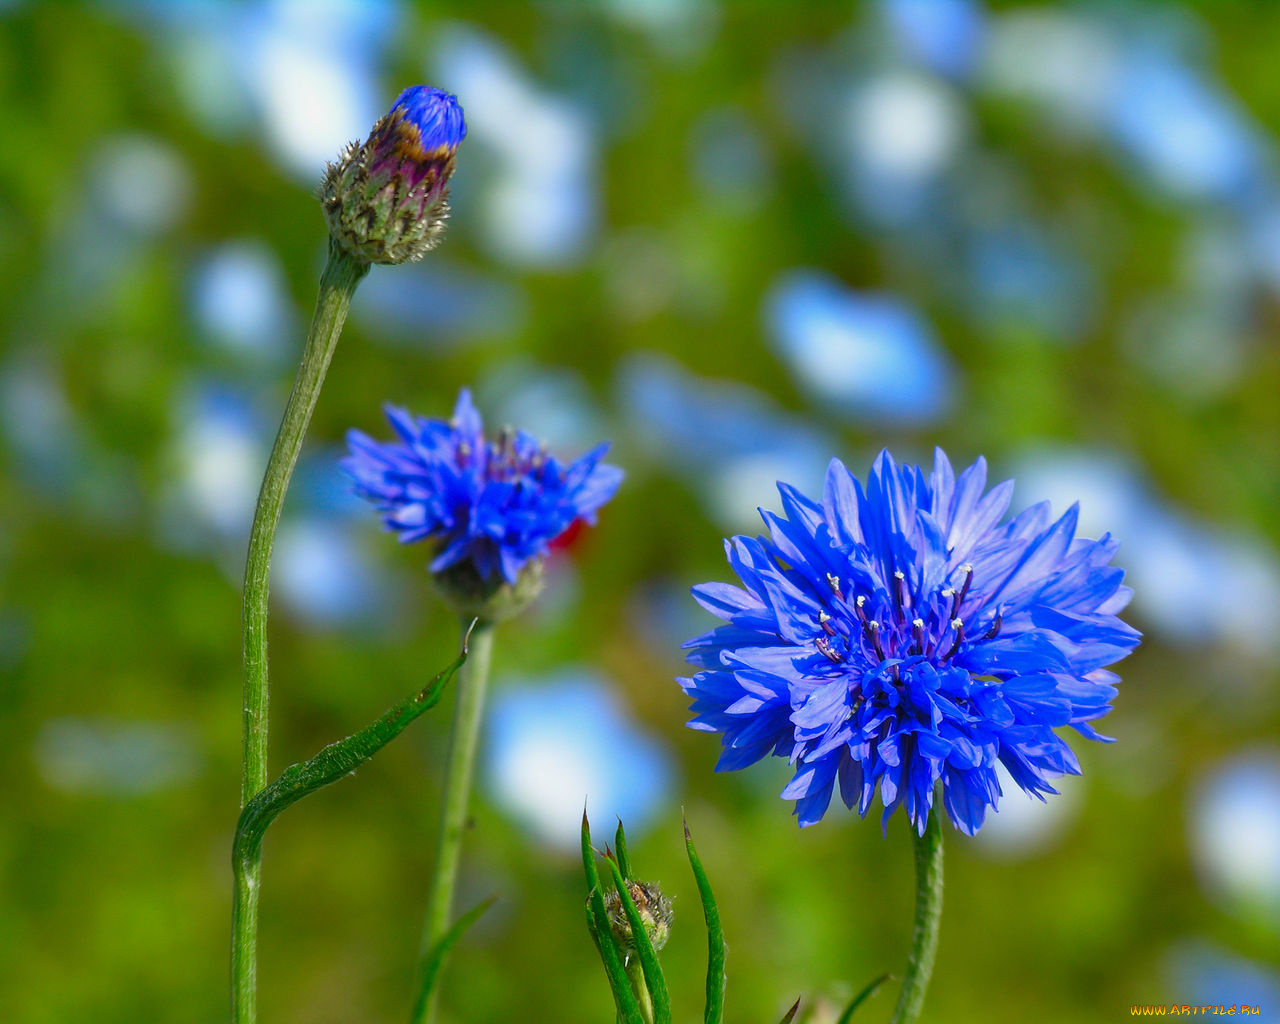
x=924, y=936
x=338, y=283
x=468, y=712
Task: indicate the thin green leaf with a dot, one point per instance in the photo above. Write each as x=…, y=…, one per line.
x=862, y=997
x=624, y=858
x=601, y=934
x=434, y=959
x=334, y=762
x=790, y=1014
x=653, y=977
x=618, y=1000
x=714, y=1012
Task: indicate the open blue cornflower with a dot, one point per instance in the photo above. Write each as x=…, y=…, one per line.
x=491, y=506
x=900, y=635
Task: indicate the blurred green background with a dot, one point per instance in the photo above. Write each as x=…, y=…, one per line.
x=735, y=239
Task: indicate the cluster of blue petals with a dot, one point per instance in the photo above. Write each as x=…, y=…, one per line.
x=900, y=635
x=437, y=114
x=497, y=504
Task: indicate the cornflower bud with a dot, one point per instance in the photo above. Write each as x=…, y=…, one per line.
x=655, y=911
x=386, y=199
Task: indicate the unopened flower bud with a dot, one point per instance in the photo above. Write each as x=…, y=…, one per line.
x=655, y=911
x=386, y=199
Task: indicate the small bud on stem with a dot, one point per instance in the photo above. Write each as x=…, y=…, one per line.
x=386, y=199
x=655, y=911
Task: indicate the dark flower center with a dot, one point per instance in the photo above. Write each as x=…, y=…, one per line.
x=897, y=625
x=508, y=459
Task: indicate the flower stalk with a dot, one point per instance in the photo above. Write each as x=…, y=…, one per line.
x=635, y=975
x=924, y=934
x=468, y=712
x=342, y=273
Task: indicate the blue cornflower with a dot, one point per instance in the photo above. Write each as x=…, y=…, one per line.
x=491, y=506
x=900, y=635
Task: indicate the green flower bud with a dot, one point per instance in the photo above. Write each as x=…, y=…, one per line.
x=655, y=911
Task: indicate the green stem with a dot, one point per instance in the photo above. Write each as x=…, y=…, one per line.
x=635, y=974
x=924, y=936
x=338, y=283
x=467, y=714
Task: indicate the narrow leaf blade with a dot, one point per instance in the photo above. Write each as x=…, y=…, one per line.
x=598, y=925
x=714, y=1012
x=789, y=1016
x=334, y=762
x=434, y=959
x=624, y=858
x=862, y=997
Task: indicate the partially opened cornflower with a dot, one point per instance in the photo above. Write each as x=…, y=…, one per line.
x=492, y=507
x=898, y=636
x=386, y=199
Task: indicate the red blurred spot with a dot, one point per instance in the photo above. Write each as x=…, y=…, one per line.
x=568, y=537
